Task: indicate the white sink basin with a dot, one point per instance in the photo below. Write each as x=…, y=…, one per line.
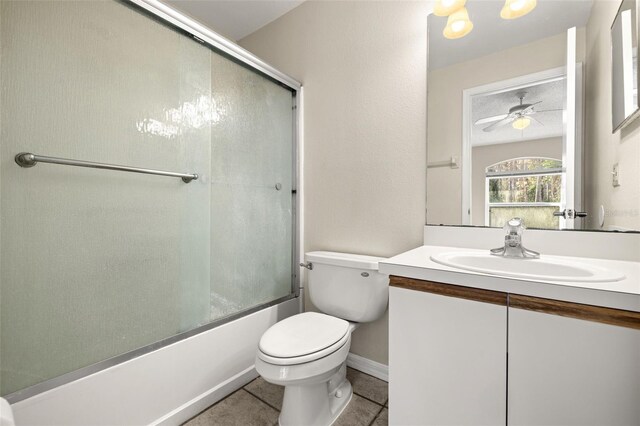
x=547, y=268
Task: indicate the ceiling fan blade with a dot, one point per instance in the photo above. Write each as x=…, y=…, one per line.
x=500, y=123
x=529, y=108
x=548, y=110
x=535, y=119
x=491, y=119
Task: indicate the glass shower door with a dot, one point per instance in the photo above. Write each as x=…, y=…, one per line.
x=97, y=266
x=251, y=189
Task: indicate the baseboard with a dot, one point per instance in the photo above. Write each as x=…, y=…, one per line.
x=206, y=399
x=368, y=366
x=202, y=401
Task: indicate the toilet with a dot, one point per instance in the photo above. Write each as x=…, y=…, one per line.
x=307, y=353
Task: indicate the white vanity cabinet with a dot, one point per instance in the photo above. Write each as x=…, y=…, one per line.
x=447, y=358
x=468, y=356
x=571, y=371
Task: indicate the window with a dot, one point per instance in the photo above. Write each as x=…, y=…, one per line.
x=530, y=188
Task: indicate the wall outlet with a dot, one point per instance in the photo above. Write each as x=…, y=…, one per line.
x=616, y=175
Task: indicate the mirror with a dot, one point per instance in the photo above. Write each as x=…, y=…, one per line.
x=519, y=118
x=624, y=65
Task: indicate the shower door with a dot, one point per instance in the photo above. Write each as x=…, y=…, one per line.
x=100, y=265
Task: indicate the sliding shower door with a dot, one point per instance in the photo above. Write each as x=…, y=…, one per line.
x=96, y=265
x=251, y=189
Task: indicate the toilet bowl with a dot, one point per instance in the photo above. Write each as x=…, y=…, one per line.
x=307, y=353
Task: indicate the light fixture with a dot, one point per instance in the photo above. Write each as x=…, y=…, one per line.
x=521, y=123
x=458, y=24
x=447, y=7
x=513, y=9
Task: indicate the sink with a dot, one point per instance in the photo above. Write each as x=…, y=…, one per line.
x=546, y=268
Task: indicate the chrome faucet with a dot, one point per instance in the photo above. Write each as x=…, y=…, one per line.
x=513, y=242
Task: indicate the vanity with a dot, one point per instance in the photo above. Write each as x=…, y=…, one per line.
x=474, y=348
x=541, y=128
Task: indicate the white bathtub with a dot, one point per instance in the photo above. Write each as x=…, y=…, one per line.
x=164, y=387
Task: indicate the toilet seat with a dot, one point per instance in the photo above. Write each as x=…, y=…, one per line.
x=303, y=338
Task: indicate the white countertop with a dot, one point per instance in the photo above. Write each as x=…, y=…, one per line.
x=624, y=294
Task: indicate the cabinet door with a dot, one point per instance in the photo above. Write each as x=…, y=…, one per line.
x=567, y=371
x=447, y=360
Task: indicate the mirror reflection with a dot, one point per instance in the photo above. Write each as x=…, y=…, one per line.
x=521, y=120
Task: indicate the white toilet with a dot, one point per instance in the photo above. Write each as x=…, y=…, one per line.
x=307, y=353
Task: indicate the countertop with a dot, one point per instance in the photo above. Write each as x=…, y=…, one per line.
x=624, y=294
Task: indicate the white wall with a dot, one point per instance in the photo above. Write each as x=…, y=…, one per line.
x=363, y=67
x=444, y=185
x=602, y=148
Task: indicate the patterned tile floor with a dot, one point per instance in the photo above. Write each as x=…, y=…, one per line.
x=259, y=404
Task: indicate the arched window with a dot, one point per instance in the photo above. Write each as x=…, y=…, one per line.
x=529, y=187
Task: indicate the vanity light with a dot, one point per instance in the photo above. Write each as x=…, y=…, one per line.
x=447, y=7
x=521, y=123
x=516, y=8
x=458, y=24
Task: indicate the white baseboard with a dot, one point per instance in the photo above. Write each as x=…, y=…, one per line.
x=368, y=366
x=206, y=399
x=202, y=401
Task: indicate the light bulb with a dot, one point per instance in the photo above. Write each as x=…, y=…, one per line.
x=458, y=24
x=517, y=5
x=513, y=9
x=447, y=7
x=521, y=123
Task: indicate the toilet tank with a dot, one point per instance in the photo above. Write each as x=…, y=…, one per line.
x=347, y=286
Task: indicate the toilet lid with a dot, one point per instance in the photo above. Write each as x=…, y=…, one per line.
x=302, y=334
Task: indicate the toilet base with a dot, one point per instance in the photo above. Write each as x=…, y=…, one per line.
x=317, y=404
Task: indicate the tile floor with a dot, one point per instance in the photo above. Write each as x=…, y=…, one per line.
x=259, y=403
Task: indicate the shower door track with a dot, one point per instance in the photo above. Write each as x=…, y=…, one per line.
x=204, y=35
x=216, y=42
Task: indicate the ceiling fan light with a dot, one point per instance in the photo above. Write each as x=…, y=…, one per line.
x=458, y=24
x=447, y=7
x=513, y=9
x=521, y=123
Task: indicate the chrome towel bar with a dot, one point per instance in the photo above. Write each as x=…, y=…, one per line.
x=27, y=159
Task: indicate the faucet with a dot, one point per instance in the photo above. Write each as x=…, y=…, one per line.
x=513, y=247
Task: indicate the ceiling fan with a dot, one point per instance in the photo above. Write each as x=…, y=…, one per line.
x=519, y=116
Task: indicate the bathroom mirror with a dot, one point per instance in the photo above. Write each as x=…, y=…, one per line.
x=624, y=65
x=519, y=119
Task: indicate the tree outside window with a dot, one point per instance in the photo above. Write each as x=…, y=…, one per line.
x=530, y=188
